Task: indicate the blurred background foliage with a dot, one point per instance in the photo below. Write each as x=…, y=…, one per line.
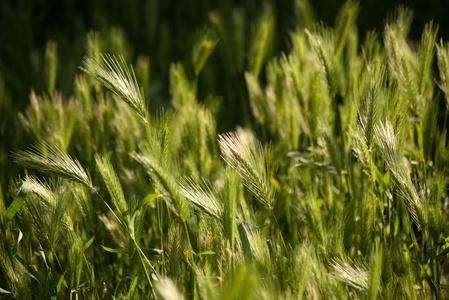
x=160, y=32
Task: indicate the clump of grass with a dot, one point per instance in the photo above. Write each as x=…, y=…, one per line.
x=335, y=187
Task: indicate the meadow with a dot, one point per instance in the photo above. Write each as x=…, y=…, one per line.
x=325, y=176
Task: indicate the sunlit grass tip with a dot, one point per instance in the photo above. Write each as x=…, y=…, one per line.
x=52, y=161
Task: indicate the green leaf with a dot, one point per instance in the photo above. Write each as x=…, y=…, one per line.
x=245, y=244
x=202, y=49
x=92, y=278
x=4, y=291
x=444, y=253
x=205, y=253
x=19, y=238
x=141, y=204
x=132, y=288
x=60, y=282
x=18, y=201
x=122, y=250
x=121, y=284
x=33, y=274
x=160, y=263
x=89, y=242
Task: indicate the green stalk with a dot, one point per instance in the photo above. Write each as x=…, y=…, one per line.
x=111, y=210
x=445, y=116
x=56, y=257
x=90, y=272
x=280, y=231
x=144, y=268
x=187, y=233
x=141, y=254
x=160, y=217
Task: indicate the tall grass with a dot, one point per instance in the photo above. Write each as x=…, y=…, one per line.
x=335, y=188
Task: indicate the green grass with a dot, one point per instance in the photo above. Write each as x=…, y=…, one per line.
x=335, y=187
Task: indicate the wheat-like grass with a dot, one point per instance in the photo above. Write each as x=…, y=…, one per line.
x=262, y=35
x=164, y=182
x=202, y=196
x=356, y=276
x=390, y=148
x=302, y=230
x=252, y=163
x=52, y=161
x=115, y=75
x=112, y=183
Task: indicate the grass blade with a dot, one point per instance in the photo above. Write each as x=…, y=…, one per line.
x=18, y=201
x=112, y=250
x=136, y=211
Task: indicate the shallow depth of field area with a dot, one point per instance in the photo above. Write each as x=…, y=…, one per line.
x=309, y=161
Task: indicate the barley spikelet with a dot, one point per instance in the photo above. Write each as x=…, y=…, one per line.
x=52, y=161
x=115, y=75
x=112, y=183
x=252, y=163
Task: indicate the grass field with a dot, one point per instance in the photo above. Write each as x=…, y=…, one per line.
x=332, y=184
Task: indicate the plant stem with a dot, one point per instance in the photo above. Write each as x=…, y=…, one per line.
x=141, y=254
x=187, y=234
x=160, y=213
x=144, y=268
x=280, y=230
x=111, y=210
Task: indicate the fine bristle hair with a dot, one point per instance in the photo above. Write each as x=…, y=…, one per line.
x=356, y=276
x=112, y=183
x=113, y=73
x=164, y=182
x=252, y=163
x=390, y=148
x=52, y=161
x=202, y=196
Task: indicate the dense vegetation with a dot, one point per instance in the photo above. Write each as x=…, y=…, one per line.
x=333, y=185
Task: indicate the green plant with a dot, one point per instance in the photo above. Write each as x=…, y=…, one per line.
x=336, y=187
